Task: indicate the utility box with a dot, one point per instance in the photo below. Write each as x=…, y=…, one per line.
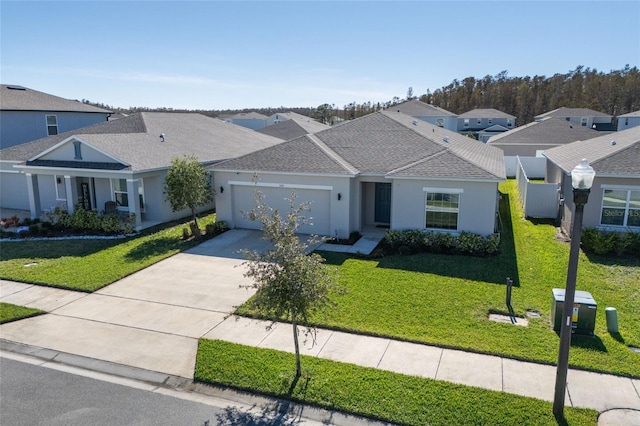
x=583, y=320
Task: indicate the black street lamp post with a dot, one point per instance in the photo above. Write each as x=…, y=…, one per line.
x=581, y=179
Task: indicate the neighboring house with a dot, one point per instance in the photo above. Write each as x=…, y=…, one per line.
x=293, y=127
x=532, y=139
x=27, y=115
x=627, y=121
x=489, y=132
x=584, y=117
x=250, y=120
x=429, y=113
x=614, y=201
x=386, y=169
x=125, y=161
x=477, y=120
x=279, y=117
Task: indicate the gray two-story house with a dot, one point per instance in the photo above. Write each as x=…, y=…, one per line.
x=27, y=115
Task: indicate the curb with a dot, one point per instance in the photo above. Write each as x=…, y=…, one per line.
x=185, y=385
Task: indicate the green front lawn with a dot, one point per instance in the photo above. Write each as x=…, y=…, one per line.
x=9, y=312
x=88, y=265
x=371, y=392
x=445, y=300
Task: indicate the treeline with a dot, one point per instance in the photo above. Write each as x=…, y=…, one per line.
x=614, y=93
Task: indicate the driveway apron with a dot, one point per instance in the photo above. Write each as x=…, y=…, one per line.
x=151, y=319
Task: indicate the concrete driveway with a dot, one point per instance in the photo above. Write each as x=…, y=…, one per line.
x=151, y=319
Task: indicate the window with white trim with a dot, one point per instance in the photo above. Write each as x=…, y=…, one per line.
x=52, y=125
x=620, y=207
x=479, y=121
x=466, y=122
x=120, y=195
x=441, y=210
x=440, y=122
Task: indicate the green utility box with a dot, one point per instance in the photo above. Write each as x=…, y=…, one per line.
x=583, y=320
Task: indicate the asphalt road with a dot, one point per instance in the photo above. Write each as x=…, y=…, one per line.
x=35, y=395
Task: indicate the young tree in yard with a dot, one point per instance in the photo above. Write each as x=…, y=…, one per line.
x=290, y=283
x=187, y=185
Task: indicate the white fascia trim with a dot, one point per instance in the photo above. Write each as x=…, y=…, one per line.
x=623, y=187
x=280, y=185
x=76, y=172
x=75, y=138
x=443, y=190
x=448, y=179
x=260, y=173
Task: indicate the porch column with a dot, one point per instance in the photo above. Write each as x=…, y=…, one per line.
x=34, y=195
x=67, y=185
x=134, y=201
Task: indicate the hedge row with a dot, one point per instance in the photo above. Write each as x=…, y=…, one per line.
x=610, y=242
x=416, y=241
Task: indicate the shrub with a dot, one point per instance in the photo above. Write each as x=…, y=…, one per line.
x=34, y=229
x=216, y=228
x=607, y=242
x=417, y=241
x=110, y=224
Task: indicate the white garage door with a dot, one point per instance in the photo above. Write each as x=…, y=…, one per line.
x=277, y=198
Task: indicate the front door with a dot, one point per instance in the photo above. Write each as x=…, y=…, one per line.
x=383, y=203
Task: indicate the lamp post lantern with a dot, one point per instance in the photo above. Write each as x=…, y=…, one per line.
x=581, y=180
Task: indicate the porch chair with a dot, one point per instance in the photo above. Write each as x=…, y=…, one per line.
x=109, y=207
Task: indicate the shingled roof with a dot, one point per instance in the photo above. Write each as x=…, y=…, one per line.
x=19, y=98
x=485, y=113
x=564, y=112
x=135, y=140
x=293, y=127
x=615, y=154
x=416, y=108
x=382, y=143
x=550, y=131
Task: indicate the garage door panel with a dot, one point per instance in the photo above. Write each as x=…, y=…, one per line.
x=278, y=198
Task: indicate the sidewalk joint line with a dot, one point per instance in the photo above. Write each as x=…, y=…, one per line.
x=157, y=303
x=435, y=377
x=124, y=326
x=325, y=343
x=383, y=353
x=635, y=388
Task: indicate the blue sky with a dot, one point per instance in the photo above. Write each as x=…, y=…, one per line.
x=227, y=55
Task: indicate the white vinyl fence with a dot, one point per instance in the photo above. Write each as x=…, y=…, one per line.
x=539, y=200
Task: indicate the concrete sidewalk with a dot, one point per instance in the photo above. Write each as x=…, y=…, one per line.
x=163, y=339
x=152, y=320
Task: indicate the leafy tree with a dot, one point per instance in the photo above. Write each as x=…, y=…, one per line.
x=410, y=93
x=324, y=113
x=187, y=185
x=290, y=283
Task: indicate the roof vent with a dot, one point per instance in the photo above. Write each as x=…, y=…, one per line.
x=570, y=126
x=16, y=88
x=613, y=143
x=446, y=139
x=415, y=123
x=398, y=110
x=161, y=137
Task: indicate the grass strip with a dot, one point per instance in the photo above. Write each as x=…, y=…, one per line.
x=88, y=265
x=370, y=392
x=9, y=312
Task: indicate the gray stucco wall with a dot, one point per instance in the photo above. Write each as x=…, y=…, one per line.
x=477, y=206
